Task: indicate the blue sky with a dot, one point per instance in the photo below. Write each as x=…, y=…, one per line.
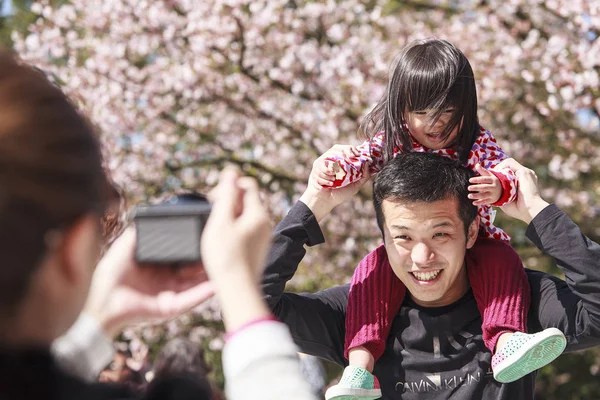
x=6, y=8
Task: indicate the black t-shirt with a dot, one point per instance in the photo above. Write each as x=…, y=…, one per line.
x=438, y=353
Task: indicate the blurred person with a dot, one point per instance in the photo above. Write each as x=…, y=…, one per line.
x=260, y=359
x=52, y=200
x=85, y=350
x=54, y=193
x=119, y=371
x=314, y=373
x=257, y=348
x=431, y=106
x=436, y=347
x=181, y=358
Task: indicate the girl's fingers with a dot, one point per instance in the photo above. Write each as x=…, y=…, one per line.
x=479, y=195
x=481, y=180
x=325, y=168
x=481, y=188
x=324, y=175
x=323, y=182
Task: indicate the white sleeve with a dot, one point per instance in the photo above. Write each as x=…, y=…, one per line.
x=261, y=362
x=84, y=350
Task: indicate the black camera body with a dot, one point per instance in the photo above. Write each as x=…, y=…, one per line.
x=169, y=233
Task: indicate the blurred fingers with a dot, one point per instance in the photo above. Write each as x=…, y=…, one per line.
x=227, y=194
x=481, y=179
x=481, y=188
x=479, y=195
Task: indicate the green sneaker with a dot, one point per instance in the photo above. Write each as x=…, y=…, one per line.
x=356, y=384
x=524, y=353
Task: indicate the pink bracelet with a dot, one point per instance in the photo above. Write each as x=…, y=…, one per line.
x=260, y=320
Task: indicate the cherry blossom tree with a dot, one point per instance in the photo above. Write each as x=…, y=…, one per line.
x=178, y=88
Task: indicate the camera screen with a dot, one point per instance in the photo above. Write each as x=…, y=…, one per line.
x=171, y=239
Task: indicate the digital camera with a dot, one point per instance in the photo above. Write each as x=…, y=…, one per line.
x=169, y=233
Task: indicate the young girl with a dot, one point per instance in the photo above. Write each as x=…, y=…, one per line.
x=431, y=106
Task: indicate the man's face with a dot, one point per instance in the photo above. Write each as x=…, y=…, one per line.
x=426, y=245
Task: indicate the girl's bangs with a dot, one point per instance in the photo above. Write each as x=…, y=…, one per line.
x=427, y=90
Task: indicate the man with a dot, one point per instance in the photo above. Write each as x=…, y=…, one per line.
x=435, y=348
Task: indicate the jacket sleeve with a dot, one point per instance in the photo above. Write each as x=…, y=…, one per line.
x=487, y=153
x=84, y=350
x=316, y=321
x=572, y=305
x=372, y=150
x=261, y=362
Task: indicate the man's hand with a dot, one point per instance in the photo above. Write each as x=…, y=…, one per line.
x=529, y=202
x=123, y=293
x=486, y=188
x=322, y=200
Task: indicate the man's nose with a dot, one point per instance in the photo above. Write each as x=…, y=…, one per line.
x=421, y=254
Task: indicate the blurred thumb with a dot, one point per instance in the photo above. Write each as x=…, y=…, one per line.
x=226, y=195
x=254, y=210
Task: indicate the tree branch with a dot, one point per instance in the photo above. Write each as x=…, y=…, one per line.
x=229, y=156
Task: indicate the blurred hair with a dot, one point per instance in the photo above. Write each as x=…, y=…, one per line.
x=181, y=363
x=50, y=172
x=181, y=356
x=426, y=178
x=113, y=221
x=428, y=74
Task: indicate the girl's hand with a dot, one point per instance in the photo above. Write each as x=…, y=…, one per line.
x=326, y=170
x=323, y=173
x=486, y=188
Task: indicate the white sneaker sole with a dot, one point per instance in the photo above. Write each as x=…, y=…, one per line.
x=547, y=346
x=345, y=393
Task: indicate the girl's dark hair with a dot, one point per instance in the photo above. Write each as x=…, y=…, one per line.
x=428, y=74
x=50, y=173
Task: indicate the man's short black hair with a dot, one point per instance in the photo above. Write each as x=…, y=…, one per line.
x=423, y=177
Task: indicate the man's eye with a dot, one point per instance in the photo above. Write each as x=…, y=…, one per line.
x=402, y=237
x=440, y=234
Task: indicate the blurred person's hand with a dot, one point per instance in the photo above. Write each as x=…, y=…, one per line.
x=322, y=200
x=234, y=247
x=237, y=234
x=529, y=202
x=124, y=293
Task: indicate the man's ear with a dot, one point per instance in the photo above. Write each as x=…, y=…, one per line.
x=81, y=242
x=473, y=232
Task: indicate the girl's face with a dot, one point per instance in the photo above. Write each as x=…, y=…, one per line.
x=429, y=135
